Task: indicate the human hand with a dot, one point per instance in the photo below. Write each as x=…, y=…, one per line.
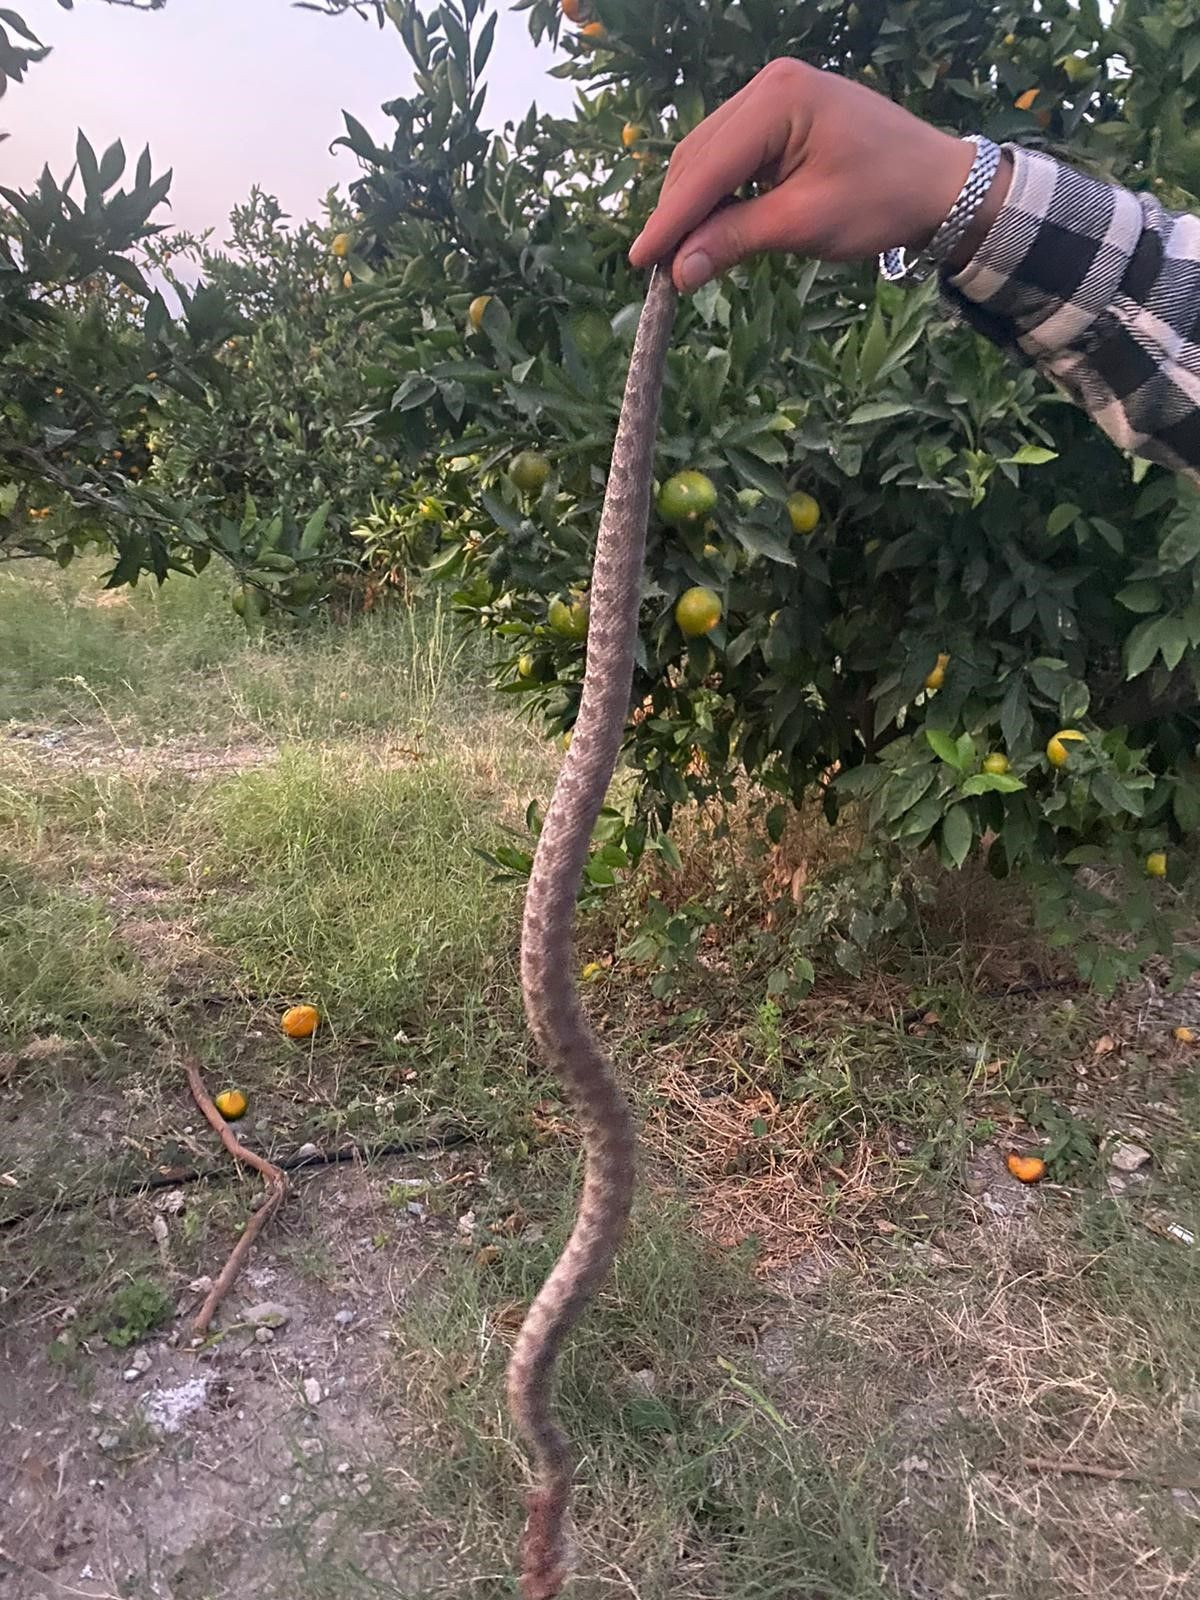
x=848, y=173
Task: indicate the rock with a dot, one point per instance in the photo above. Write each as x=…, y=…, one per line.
x=109, y=1439
x=645, y=1380
x=416, y=1209
x=264, y=1336
x=166, y=1410
x=1126, y=1157
x=344, y=1317
x=140, y=1363
x=466, y=1224
x=313, y=1392
x=200, y=1285
x=267, y=1314
x=307, y=1151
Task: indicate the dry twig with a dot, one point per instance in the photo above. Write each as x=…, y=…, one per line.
x=273, y=1177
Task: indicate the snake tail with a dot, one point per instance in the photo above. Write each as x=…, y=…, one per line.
x=552, y=1005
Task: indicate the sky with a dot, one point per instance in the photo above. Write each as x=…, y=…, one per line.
x=230, y=93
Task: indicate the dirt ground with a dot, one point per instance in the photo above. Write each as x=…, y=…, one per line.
x=240, y=1468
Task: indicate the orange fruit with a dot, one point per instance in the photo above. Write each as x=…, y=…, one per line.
x=996, y=762
x=300, y=1022
x=686, y=497
x=476, y=309
x=341, y=244
x=231, y=1103
x=937, y=677
x=575, y=10
x=630, y=134
x=1028, y=1169
x=697, y=612
x=1156, y=864
x=804, y=512
x=1056, y=747
x=347, y=280
x=529, y=471
x=1024, y=102
x=568, y=621
x=595, y=31
x=1185, y=1035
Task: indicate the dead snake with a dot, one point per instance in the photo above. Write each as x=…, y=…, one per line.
x=552, y=1005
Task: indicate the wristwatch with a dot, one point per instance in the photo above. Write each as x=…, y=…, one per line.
x=894, y=265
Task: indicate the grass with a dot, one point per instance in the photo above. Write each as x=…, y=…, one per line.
x=826, y=1358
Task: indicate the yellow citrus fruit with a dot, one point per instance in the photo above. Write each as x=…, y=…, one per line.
x=527, y=668
x=300, y=1022
x=341, y=245
x=347, y=280
x=630, y=134
x=568, y=621
x=429, y=510
x=1185, y=1035
x=937, y=677
x=591, y=972
x=476, y=309
x=996, y=762
x=1010, y=38
x=1026, y=1168
x=697, y=612
x=231, y=1103
x=1156, y=864
x=804, y=512
x=686, y=497
x=564, y=739
x=1056, y=747
x=529, y=471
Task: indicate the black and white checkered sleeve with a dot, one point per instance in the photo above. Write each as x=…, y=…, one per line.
x=1100, y=288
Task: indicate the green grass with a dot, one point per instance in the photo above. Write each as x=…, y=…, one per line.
x=175, y=662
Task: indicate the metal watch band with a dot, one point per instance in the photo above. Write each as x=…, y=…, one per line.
x=893, y=263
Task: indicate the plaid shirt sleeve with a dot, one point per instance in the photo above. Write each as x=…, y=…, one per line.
x=1099, y=288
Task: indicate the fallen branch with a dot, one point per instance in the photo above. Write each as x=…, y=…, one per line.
x=1087, y=1469
x=273, y=1177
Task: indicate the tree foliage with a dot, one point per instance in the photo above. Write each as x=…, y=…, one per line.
x=968, y=512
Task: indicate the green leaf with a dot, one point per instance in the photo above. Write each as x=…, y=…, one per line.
x=1141, y=647
x=763, y=542
x=1060, y=519
x=945, y=748
x=1141, y=597
x=878, y=411
x=991, y=783
x=1032, y=455
x=957, y=834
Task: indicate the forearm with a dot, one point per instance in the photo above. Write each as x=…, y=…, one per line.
x=1100, y=288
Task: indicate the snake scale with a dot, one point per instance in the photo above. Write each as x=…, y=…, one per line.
x=552, y=1005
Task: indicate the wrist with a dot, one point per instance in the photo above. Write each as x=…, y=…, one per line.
x=983, y=219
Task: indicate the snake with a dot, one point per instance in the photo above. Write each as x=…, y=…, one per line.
x=565, y=1039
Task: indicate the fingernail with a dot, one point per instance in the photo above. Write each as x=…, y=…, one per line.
x=695, y=269
x=634, y=245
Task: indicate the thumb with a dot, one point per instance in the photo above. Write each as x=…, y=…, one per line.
x=729, y=236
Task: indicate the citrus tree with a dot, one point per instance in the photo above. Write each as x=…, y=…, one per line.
x=930, y=585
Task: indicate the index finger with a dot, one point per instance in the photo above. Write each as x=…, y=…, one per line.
x=705, y=178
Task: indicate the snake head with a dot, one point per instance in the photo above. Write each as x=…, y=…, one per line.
x=544, y=1546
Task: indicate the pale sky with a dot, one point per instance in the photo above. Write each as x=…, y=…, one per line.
x=230, y=93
